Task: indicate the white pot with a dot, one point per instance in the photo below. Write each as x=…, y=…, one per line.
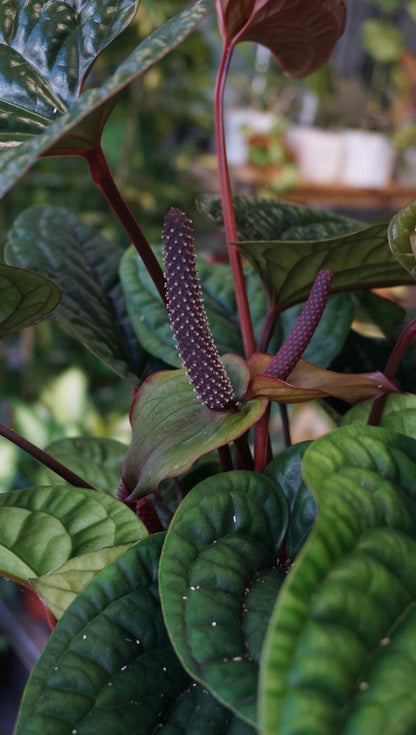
x=235, y=120
x=368, y=159
x=319, y=153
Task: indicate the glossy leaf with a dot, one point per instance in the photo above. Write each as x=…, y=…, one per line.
x=58, y=589
x=81, y=127
x=399, y=414
x=96, y=460
x=402, y=238
x=339, y=653
x=219, y=578
x=149, y=320
x=308, y=383
x=285, y=469
x=197, y=712
x=45, y=54
x=182, y=429
x=289, y=260
x=55, y=242
x=108, y=666
x=301, y=35
x=25, y=298
x=41, y=528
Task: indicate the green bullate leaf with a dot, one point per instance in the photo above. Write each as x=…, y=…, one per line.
x=41, y=528
x=399, y=414
x=96, y=460
x=109, y=667
x=182, y=428
x=339, y=655
x=402, y=238
x=60, y=587
x=149, y=320
x=289, y=246
x=55, y=242
x=219, y=578
x=25, y=298
x=81, y=127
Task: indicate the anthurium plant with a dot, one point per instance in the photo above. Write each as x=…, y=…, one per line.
x=210, y=578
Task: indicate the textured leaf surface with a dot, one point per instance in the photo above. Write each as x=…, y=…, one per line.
x=182, y=429
x=96, y=460
x=219, y=578
x=399, y=414
x=60, y=587
x=149, y=319
x=81, y=127
x=109, y=666
x=55, y=242
x=41, y=528
x=45, y=52
x=308, y=383
x=402, y=238
x=302, y=244
x=339, y=654
x=25, y=298
x=285, y=469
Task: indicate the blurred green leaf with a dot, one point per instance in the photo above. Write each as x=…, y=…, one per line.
x=339, y=653
x=41, y=528
x=219, y=578
x=399, y=414
x=402, y=237
x=81, y=127
x=95, y=459
x=55, y=242
x=182, y=427
x=150, y=321
x=383, y=41
x=25, y=298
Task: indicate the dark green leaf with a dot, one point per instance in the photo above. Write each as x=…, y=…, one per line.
x=339, y=654
x=290, y=258
x=219, y=578
x=96, y=460
x=42, y=527
x=53, y=241
x=81, y=127
x=25, y=298
x=149, y=319
x=369, y=308
x=182, y=428
x=285, y=469
x=108, y=667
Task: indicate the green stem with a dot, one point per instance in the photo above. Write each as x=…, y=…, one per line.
x=44, y=458
x=102, y=177
x=227, y=206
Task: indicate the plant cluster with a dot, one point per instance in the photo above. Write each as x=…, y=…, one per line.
x=212, y=585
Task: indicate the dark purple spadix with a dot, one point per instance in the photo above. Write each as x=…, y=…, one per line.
x=188, y=318
x=297, y=341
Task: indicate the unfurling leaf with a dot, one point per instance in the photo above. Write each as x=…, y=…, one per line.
x=308, y=383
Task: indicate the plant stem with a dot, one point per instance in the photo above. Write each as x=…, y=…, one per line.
x=227, y=206
x=225, y=458
x=262, y=448
x=102, y=177
x=44, y=458
x=268, y=327
x=407, y=336
x=285, y=425
x=244, y=452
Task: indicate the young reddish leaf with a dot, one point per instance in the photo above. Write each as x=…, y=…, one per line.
x=300, y=34
x=308, y=382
